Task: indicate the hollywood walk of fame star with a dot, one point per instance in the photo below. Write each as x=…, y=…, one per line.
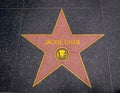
x=62, y=48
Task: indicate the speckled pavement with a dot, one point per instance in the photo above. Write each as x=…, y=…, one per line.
x=20, y=60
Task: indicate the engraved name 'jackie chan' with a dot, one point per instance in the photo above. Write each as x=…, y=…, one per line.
x=61, y=42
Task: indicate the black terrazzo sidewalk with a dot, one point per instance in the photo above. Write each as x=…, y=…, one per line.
x=19, y=59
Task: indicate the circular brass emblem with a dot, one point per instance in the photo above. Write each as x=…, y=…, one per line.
x=62, y=54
